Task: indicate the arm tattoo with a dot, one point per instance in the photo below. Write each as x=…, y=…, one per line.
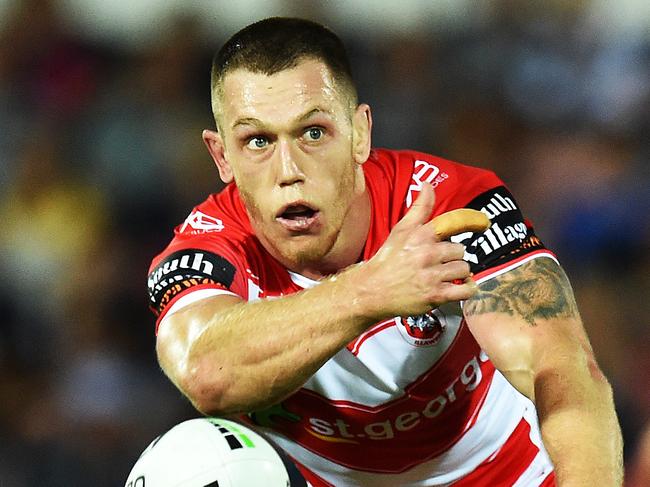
x=536, y=290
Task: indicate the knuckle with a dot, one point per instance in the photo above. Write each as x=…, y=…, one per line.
x=458, y=250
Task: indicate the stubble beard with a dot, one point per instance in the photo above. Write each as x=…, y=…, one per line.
x=315, y=257
x=303, y=256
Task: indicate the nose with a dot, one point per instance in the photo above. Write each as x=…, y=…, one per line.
x=288, y=172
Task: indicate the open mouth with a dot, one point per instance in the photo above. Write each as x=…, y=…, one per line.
x=297, y=216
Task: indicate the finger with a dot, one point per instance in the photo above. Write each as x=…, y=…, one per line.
x=448, y=251
x=459, y=221
x=455, y=272
x=420, y=211
x=460, y=292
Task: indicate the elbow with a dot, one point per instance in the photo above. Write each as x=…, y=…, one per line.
x=221, y=393
x=206, y=383
x=209, y=380
x=214, y=383
x=596, y=372
x=599, y=380
x=569, y=384
x=208, y=390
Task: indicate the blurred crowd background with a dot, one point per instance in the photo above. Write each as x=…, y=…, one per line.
x=101, y=156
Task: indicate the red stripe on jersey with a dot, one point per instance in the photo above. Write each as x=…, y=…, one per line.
x=549, y=481
x=508, y=464
x=460, y=344
x=356, y=344
x=472, y=420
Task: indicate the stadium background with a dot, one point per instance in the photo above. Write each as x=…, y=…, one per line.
x=101, y=110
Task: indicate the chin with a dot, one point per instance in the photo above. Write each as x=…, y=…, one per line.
x=307, y=254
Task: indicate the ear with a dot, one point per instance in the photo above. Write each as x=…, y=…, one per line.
x=361, y=133
x=217, y=150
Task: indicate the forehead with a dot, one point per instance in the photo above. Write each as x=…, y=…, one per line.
x=283, y=95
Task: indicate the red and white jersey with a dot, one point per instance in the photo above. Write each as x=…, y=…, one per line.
x=413, y=401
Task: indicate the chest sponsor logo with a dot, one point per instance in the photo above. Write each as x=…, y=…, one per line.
x=433, y=414
x=423, y=172
x=336, y=430
x=198, y=222
x=423, y=330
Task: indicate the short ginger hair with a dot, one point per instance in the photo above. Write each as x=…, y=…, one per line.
x=278, y=43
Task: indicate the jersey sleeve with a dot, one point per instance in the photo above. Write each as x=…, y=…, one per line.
x=510, y=241
x=200, y=261
x=186, y=269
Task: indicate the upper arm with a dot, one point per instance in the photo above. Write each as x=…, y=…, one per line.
x=179, y=329
x=189, y=284
x=527, y=321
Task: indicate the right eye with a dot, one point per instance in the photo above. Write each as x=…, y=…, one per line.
x=257, y=143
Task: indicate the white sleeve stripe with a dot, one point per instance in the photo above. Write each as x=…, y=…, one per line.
x=191, y=298
x=515, y=264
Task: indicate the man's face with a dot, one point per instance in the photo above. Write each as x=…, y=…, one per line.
x=292, y=144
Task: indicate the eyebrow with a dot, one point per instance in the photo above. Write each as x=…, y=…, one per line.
x=258, y=123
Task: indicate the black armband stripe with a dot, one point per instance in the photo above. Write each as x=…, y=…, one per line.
x=509, y=237
x=184, y=269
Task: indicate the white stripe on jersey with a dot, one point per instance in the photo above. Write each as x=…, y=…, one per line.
x=302, y=281
x=383, y=367
x=492, y=273
x=192, y=297
x=384, y=364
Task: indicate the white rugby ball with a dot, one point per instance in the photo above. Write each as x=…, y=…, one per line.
x=209, y=452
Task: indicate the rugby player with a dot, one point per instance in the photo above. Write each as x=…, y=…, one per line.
x=313, y=295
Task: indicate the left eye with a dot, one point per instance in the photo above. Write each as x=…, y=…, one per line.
x=313, y=133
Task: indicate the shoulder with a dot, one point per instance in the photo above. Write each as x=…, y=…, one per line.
x=509, y=241
x=218, y=224
x=210, y=250
x=220, y=213
x=456, y=184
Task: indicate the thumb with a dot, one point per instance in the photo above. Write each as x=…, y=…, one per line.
x=420, y=211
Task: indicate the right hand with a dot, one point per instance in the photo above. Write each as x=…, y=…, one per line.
x=414, y=271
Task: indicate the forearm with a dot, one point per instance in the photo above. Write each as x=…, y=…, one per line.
x=528, y=323
x=252, y=355
x=580, y=429
x=228, y=356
